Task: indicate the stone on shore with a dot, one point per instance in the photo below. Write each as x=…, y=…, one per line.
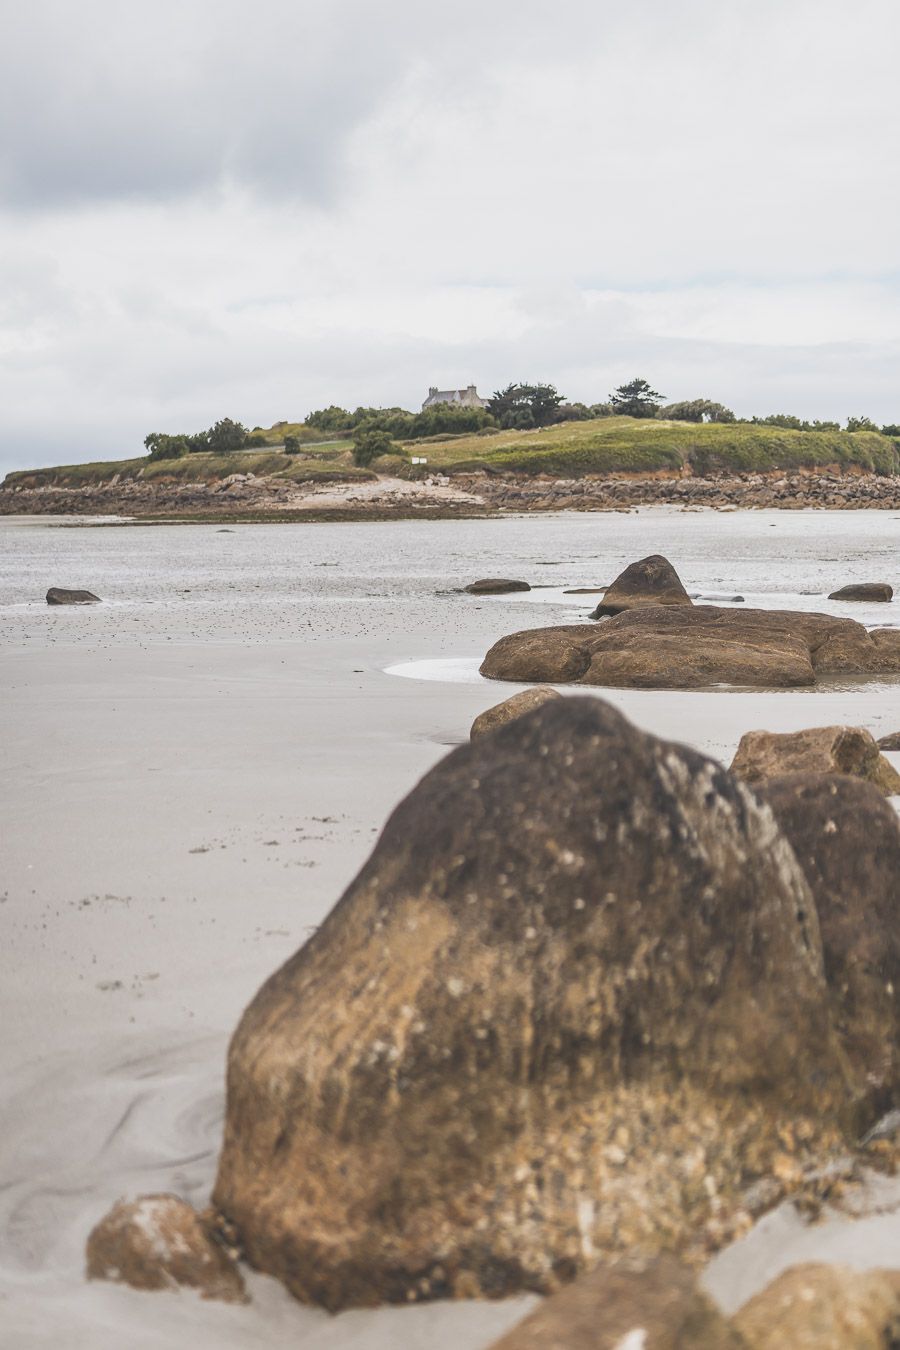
x=847, y=840
x=878, y=591
x=890, y=742
x=496, y=586
x=57, y=596
x=678, y=647
x=510, y=708
x=639, y=1304
x=816, y=750
x=821, y=1307
x=651, y=581
x=573, y=1000
x=159, y=1242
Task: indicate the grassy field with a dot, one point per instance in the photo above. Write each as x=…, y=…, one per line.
x=608, y=445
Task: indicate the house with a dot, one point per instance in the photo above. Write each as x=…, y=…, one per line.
x=460, y=398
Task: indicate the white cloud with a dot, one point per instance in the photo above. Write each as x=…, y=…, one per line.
x=213, y=209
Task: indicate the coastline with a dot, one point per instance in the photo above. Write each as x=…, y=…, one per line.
x=262, y=499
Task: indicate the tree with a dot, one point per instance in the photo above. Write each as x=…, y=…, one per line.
x=162, y=446
x=892, y=429
x=331, y=418
x=226, y=436
x=520, y=406
x=697, y=410
x=636, y=399
x=368, y=443
x=861, y=424
x=291, y=445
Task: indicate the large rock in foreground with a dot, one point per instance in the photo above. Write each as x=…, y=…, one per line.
x=571, y=1004
x=816, y=750
x=640, y=1305
x=674, y=647
x=847, y=840
x=159, y=1242
x=819, y=1307
x=57, y=596
x=652, y=581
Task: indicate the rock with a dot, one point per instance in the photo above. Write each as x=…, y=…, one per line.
x=510, y=708
x=820, y=1307
x=675, y=647
x=842, y=750
x=586, y=590
x=574, y=997
x=652, y=581
x=159, y=1242
x=866, y=590
x=57, y=596
x=496, y=586
x=847, y=840
x=891, y=742
x=649, y=1304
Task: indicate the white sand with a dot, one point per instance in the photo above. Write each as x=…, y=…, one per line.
x=191, y=780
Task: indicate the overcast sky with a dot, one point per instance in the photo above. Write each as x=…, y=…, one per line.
x=217, y=208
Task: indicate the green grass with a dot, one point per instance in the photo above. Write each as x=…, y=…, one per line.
x=571, y=449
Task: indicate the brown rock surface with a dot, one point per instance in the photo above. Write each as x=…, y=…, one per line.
x=510, y=708
x=655, y=1302
x=651, y=581
x=891, y=742
x=867, y=590
x=816, y=750
x=159, y=1242
x=571, y=1002
x=496, y=586
x=820, y=1307
x=847, y=840
x=673, y=647
x=57, y=596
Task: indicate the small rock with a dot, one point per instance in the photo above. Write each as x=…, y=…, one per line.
x=878, y=591
x=652, y=581
x=817, y=750
x=159, y=1242
x=496, y=586
x=821, y=1307
x=511, y=708
x=890, y=742
x=57, y=596
x=632, y=1305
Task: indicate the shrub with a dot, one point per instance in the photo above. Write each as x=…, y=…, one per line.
x=291, y=445
x=368, y=443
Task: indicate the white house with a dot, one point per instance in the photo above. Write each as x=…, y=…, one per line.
x=460, y=398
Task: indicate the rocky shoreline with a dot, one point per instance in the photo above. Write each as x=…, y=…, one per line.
x=252, y=497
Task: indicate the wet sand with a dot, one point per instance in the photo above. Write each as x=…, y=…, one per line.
x=190, y=784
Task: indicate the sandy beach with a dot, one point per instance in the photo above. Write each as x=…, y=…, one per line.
x=195, y=769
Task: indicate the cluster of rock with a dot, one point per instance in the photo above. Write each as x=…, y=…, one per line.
x=658, y=639
x=823, y=489
x=591, y=996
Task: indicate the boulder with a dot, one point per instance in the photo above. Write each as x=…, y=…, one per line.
x=847, y=840
x=496, y=586
x=652, y=581
x=673, y=647
x=57, y=596
x=572, y=1001
x=890, y=742
x=160, y=1242
x=639, y=1304
x=866, y=590
x=842, y=750
x=504, y=712
x=820, y=1307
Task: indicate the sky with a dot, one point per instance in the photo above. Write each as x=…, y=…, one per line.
x=217, y=208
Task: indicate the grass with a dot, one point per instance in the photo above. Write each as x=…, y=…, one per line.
x=606, y=446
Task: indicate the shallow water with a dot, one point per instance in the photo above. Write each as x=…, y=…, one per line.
x=195, y=770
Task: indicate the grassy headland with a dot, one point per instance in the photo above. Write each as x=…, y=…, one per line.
x=604, y=446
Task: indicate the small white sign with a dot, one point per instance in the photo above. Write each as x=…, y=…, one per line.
x=418, y=459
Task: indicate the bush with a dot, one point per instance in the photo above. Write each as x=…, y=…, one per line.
x=291, y=445
x=697, y=410
x=368, y=443
x=255, y=441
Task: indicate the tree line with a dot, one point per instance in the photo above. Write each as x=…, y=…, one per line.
x=519, y=407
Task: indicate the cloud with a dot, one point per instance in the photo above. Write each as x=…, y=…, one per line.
x=208, y=208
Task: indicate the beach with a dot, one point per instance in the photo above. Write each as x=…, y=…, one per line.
x=197, y=767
